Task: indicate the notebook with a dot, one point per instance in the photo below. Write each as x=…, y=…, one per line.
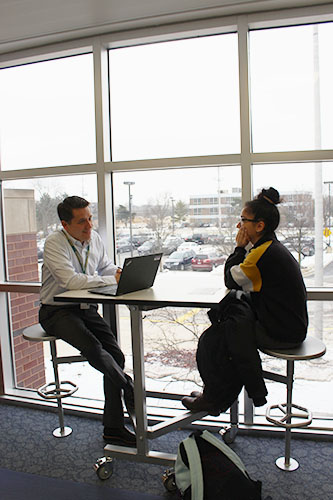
x=138, y=273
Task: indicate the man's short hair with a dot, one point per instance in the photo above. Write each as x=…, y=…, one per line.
x=65, y=208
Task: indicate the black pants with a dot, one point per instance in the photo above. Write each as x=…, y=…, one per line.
x=263, y=340
x=86, y=330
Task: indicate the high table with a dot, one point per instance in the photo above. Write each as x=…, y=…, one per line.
x=170, y=289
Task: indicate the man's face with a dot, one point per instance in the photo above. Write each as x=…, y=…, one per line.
x=81, y=225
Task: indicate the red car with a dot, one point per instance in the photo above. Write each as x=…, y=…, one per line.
x=207, y=261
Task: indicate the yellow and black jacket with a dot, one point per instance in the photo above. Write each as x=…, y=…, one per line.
x=273, y=277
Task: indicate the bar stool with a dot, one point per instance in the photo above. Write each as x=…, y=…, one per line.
x=311, y=348
x=54, y=390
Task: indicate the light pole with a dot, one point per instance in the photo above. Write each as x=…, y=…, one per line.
x=329, y=211
x=173, y=216
x=129, y=184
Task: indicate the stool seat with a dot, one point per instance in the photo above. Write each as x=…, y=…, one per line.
x=58, y=389
x=311, y=348
x=36, y=333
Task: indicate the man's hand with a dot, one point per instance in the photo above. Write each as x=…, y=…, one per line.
x=117, y=275
x=242, y=238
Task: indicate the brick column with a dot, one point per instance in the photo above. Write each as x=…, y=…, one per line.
x=21, y=240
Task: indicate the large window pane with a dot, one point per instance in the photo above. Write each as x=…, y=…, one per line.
x=313, y=379
x=177, y=98
x=30, y=214
x=47, y=114
x=198, y=207
x=291, y=80
x=304, y=214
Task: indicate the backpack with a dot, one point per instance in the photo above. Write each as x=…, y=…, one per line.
x=208, y=469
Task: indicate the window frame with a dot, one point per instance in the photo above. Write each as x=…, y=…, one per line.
x=105, y=167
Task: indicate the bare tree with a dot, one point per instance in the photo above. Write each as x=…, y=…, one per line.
x=231, y=213
x=297, y=223
x=176, y=344
x=46, y=212
x=157, y=215
x=123, y=214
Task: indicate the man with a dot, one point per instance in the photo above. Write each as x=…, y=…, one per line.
x=74, y=259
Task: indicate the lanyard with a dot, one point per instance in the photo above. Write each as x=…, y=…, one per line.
x=78, y=256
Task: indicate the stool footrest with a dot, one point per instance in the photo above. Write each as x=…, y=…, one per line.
x=51, y=391
x=285, y=420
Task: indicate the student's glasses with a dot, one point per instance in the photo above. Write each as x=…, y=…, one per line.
x=244, y=219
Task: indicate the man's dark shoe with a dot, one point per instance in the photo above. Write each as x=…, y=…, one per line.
x=200, y=403
x=259, y=401
x=196, y=394
x=119, y=436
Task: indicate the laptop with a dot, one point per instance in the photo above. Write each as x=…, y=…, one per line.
x=138, y=273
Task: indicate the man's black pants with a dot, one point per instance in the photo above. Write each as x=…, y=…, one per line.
x=86, y=330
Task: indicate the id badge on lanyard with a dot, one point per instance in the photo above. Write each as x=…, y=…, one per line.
x=78, y=256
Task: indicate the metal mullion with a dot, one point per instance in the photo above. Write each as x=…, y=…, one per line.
x=244, y=101
x=176, y=162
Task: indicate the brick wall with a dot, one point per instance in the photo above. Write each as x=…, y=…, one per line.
x=23, y=266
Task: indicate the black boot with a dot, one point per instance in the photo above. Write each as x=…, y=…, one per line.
x=200, y=403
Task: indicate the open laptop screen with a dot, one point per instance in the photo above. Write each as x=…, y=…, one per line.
x=138, y=273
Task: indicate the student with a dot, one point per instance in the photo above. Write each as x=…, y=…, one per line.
x=272, y=279
x=270, y=273
x=74, y=259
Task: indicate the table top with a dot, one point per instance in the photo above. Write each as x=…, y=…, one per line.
x=168, y=289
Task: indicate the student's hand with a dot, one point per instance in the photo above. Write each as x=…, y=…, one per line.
x=242, y=238
x=117, y=275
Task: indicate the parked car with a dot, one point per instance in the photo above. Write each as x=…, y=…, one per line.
x=139, y=240
x=148, y=247
x=123, y=245
x=179, y=260
x=189, y=245
x=197, y=238
x=206, y=261
x=171, y=244
x=215, y=239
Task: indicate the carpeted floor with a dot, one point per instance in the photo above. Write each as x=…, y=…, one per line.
x=27, y=445
x=16, y=485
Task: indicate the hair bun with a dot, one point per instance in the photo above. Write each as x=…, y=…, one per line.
x=271, y=195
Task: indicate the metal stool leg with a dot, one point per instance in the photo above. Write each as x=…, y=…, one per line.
x=286, y=463
x=61, y=431
x=229, y=432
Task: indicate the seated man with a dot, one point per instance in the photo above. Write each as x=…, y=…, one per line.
x=74, y=259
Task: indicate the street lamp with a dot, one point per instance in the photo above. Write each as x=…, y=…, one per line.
x=129, y=184
x=329, y=211
x=173, y=216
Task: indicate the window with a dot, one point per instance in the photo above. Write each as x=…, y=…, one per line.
x=312, y=378
x=47, y=114
x=291, y=88
x=30, y=213
x=306, y=218
x=175, y=98
x=161, y=215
